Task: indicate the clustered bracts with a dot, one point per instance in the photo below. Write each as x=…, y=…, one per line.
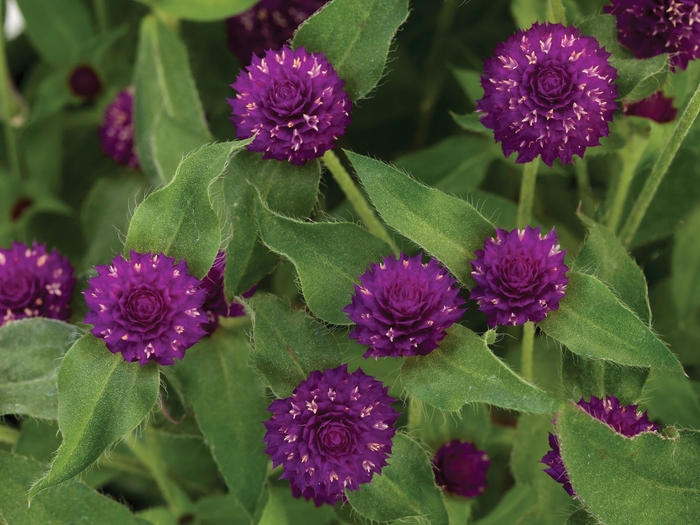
x=403, y=307
x=334, y=433
x=269, y=24
x=149, y=308
x=34, y=283
x=520, y=276
x=117, y=130
x=623, y=420
x=656, y=107
x=461, y=468
x=294, y=101
x=548, y=91
x=652, y=27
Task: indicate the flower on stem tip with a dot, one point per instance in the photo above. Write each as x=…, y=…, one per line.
x=461, y=468
x=548, y=91
x=117, y=130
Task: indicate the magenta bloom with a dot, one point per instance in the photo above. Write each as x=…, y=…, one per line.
x=269, y=24
x=656, y=107
x=84, y=82
x=334, y=432
x=148, y=308
x=295, y=102
x=461, y=468
x=34, y=283
x=653, y=27
x=548, y=91
x=520, y=276
x=623, y=420
x=117, y=130
x=403, y=307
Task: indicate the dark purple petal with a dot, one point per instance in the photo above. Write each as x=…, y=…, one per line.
x=461, y=468
x=656, y=107
x=117, y=130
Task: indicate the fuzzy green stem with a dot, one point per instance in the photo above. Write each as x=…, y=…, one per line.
x=8, y=435
x=659, y=170
x=358, y=201
x=527, y=193
x=631, y=154
x=555, y=12
x=527, y=351
x=101, y=14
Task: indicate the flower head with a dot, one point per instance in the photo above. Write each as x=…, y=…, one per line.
x=548, y=91
x=334, y=432
x=84, y=82
x=269, y=24
x=623, y=420
x=147, y=308
x=656, y=107
x=461, y=468
x=520, y=276
x=653, y=27
x=294, y=101
x=117, y=130
x=34, y=283
x=403, y=307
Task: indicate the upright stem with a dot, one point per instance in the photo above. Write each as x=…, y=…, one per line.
x=358, y=201
x=527, y=350
x=101, y=14
x=631, y=154
x=8, y=435
x=555, y=12
x=659, y=170
x=7, y=112
x=527, y=193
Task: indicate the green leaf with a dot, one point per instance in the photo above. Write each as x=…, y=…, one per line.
x=512, y=507
x=179, y=220
x=101, y=398
x=471, y=122
x=288, y=344
x=470, y=82
x=201, y=10
x=582, y=517
x=435, y=428
x=685, y=267
x=645, y=480
x=229, y=403
x=671, y=398
x=38, y=440
x=405, y=488
x=447, y=227
x=464, y=370
x=355, y=36
x=274, y=512
x=329, y=258
x=222, y=510
x=29, y=360
x=168, y=116
x=593, y=323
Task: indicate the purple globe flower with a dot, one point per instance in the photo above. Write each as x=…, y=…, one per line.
x=461, y=468
x=334, y=433
x=294, y=101
x=656, y=107
x=520, y=276
x=548, y=91
x=623, y=420
x=147, y=308
x=84, y=82
x=653, y=27
x=269, y=24
x=117, y=130
x=403, y=307
x=34, y=283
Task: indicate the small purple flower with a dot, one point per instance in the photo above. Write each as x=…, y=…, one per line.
x=403, y=307
x=84, y=82
x=653, y=27
x=548, y=91
x=623, y=420
x=656, y=107
x=34, y=283
x=461, y=468
x=269, y=24
x=294, y=101
x=334, y=433
x=117, y=130
x=520, y=276
x=147, y=308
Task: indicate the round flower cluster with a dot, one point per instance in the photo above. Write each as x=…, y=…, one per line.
x=34, y=283
x=403, y=307
x=653, y=27
x=461, y=468
x=84, y=82
x=520, y=276
x=117, y=130
x=623, y=420
x=548, y=91
x=334, y=433
x=294, y=101
x=656, y=107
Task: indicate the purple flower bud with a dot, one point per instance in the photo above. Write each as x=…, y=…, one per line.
x=117, y=131
x=656, y=107
x=294, y=101
x=623, y=420
x=403, y=307
x=334, y=432
x=84, y=82
x=520, y=276
x=269, y=24
x=548, y=91
x=147, y=308
x=461, y=468
x=34, y=283
x=653, y=27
